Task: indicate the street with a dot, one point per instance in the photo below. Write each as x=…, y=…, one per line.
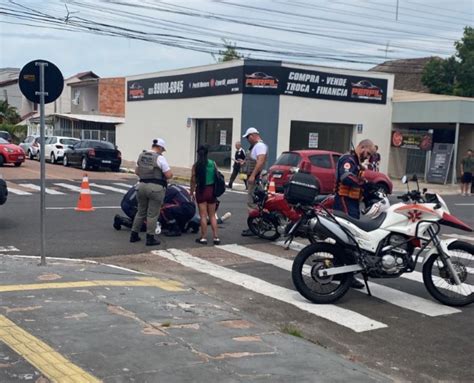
x=400, y=331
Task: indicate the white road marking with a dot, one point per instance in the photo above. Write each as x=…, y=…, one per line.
x=458, y=236
x=123, y=185
x=4, y=249
x=393, y=296
x=72, y=208
x=341, y=316
x=17, y=191
x=111, y=188
x=38, y=188
x=418, y=277
x=464, y=204
x=75, y=188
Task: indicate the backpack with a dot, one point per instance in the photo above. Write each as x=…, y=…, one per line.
x=219, y=182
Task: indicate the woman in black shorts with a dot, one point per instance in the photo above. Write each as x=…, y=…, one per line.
x=202, y=190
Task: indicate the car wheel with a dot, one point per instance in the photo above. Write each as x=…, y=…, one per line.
x=30, y=155
x=2, y=160
x=383, y=188
x=65, y=161
x=52, y=158
x=84, y=164
x=17, y=164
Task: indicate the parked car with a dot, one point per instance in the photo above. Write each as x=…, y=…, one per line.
x=55, y=146
x=5, y=135
x=3, y=191
x=323, y=167
x=11, y=153
x=93, y=154
x=27, y=144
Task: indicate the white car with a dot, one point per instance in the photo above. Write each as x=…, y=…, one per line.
x=54, y=147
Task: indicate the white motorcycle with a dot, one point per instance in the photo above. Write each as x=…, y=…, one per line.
x=386, y=247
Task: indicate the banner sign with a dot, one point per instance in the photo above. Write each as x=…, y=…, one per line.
x=267, y=80
x=412, y=140
x=439, y=163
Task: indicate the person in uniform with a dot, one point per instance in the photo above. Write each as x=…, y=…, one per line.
x=153, y=171
x=177, y=210
x=256, y=157
x=350, y=183
x=239, y=159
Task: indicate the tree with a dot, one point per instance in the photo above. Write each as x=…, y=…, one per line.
x=230, y=53
x=8, y=113
x=454, y=75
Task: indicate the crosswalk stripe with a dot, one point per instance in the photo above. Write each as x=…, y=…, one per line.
x=38, y=188
x=341, y=316
x=4, y=249
x=75, y=188
x=123, y=185
x=418, y=277
x=111, y=188
x=395, y=297
x=18, y=191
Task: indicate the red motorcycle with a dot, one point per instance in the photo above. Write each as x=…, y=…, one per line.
x=274, y=215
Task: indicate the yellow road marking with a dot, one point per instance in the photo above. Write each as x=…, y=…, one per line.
x=52, y=364
x=139, y=282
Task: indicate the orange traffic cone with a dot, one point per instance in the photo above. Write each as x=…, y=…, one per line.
x=271, y=187
x=85, y=199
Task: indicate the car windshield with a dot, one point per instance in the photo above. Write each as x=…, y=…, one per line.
x=68, y=141
x=288, y=159
x=102, y=145
x=3, y=141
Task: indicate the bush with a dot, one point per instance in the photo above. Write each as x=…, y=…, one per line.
x=18, y=132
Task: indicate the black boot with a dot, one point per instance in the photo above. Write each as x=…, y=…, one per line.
x=134, y=237
x=355, y=284
x=117, y=222
x=151, y=240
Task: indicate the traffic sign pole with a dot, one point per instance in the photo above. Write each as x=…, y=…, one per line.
x=42, y=94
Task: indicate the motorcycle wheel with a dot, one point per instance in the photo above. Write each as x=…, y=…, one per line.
x=305, y=277
x=438, y=280
x=263, y=228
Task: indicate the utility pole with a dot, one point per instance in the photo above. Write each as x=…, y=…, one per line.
x=386, y=50
x=396, y=15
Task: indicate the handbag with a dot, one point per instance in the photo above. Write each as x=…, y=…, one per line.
x=219, y=182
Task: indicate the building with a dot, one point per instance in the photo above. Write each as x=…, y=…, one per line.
x=293, y=106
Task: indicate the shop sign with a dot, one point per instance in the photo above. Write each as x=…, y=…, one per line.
x=412, y=140
x=313, y=140
x=264, y=79
x=439, y=163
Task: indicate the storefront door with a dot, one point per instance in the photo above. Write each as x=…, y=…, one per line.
x=217, y=134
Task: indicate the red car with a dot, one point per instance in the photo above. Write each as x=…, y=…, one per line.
x=11, y=153
x=323, y=166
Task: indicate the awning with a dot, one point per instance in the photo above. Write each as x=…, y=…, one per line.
x=91, y=118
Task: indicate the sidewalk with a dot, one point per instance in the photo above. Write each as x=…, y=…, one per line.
x=183, y=175
x=78, y=321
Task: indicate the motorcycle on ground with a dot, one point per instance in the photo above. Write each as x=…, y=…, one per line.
x=387, y=247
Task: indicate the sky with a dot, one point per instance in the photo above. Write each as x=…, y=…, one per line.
x=336, y=33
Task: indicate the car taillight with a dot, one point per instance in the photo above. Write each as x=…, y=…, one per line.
x=91, y=153
x=119, y=155
x=59, y=147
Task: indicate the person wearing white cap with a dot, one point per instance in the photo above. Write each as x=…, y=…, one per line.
x=153, y=171
x=255, y=160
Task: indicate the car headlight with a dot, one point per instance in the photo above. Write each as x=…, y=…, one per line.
x=8, y=150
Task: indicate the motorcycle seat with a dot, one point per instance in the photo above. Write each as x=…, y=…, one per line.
x=364, y=223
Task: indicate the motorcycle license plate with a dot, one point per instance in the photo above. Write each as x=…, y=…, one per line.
x=277, y=176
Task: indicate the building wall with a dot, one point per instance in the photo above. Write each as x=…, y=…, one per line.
x=146, y=120
x=112, y=96
x=376, y=120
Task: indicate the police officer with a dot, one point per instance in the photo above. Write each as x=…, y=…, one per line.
x=153, y=171
x=350, y=183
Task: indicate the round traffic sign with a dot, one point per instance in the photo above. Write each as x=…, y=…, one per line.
x=29, y=81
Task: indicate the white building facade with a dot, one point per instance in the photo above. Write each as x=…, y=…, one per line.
x=293, y=106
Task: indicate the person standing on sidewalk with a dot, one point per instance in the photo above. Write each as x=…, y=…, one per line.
x=467, y=168
x=254, y=163
x=239, y=159
x=153, y=171
x=203, y=179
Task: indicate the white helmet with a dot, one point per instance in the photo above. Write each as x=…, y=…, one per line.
x=377, y=208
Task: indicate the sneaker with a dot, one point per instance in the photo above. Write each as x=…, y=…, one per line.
x=247, y=233
x=201, y=241
x=216, y=241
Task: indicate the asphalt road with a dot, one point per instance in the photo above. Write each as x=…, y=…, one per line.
x=403, y=332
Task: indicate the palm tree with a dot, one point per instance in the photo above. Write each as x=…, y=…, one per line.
x=8, y=113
